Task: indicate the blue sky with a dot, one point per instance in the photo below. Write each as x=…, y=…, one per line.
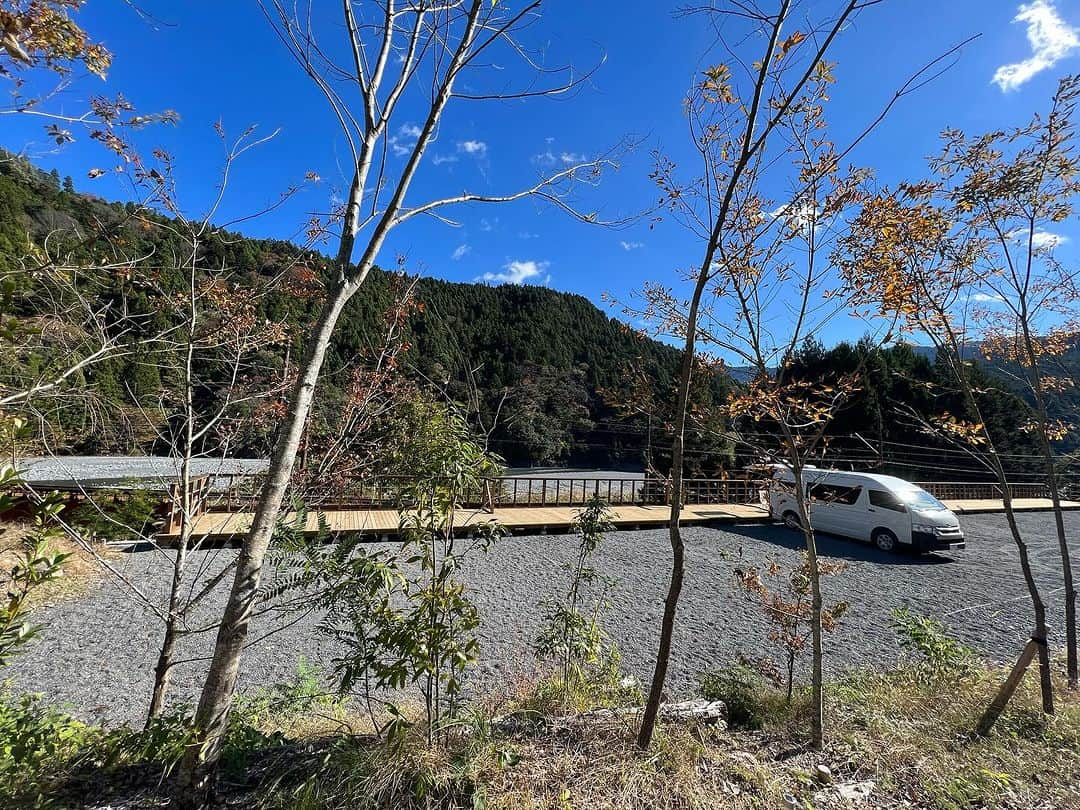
x=214, y=60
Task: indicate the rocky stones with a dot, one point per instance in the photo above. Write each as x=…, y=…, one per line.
x=857, y=792
x=709, y=712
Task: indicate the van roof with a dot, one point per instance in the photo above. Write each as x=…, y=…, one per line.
x=817, y=474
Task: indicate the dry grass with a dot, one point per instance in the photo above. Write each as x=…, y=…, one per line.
x=907, y=738
x=80, y=572
x=911, y=740
x=599, y=766
x=916, y=740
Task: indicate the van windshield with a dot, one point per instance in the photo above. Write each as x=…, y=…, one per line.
x=920, y=499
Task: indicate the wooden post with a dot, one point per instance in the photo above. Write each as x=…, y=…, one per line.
x=997, y=706
x=174, y=494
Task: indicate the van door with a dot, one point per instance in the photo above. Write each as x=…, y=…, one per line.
x=833, y=508
x=886, y=509
x=850, y=509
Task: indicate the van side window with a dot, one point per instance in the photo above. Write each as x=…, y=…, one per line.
x=832, y=493
x=886, y=500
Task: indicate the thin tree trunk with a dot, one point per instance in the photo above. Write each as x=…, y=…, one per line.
x=197, y=768
x=817, y=680
x=163, y=668
x=1046, y=684
x=994, y=461
x=1066, y=560
x=790, y=676
x=678, y=550
x=1055, y=497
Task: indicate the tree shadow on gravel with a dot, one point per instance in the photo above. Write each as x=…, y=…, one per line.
x=832, y=546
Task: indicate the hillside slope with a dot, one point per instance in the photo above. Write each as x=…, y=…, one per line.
x=546, y=361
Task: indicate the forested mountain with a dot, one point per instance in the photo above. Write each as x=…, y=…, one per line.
x=547, y=375
x=888, y=426
x=541, y=368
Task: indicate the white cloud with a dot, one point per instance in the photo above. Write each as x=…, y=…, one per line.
x=487, y=225
x=460, y=252
x=546, y=158
x=1051, y=40
x=403, y=143
x=1040, y=240
x=439, y=160
x=475, y=148
x=1045, y=239
x=631, y=245
x=549, y=158
x=517, y=272
x=987, y=298
x=807, y=216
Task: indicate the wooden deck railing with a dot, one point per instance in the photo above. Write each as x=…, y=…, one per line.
x=239, y=493
x=980, y=490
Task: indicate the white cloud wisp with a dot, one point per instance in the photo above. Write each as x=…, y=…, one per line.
x=1051, y=40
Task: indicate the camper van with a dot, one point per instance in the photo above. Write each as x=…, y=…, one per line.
x=891, y=513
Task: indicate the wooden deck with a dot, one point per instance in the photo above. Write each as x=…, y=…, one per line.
x=522, y=518
x=975, y=507
x=540, y=519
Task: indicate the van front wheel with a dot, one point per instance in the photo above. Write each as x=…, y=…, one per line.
x=885, y=540
x=791, y=521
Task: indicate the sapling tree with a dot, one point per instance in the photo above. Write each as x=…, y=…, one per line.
x=1011, y=190
x=400, y=613
x=407, y=63
x=210, y=357
x=785, y=597
x=571, y=633
x=766, y=202
x=769, y=198
x=927, y=252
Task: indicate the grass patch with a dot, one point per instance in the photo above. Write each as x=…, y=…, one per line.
x=915, y=735
x=81, y=571
x=752, y=702
x=905, y=736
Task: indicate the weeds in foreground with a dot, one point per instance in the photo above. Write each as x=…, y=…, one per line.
x=902, y=737
x=753, y=701
x=48, y=757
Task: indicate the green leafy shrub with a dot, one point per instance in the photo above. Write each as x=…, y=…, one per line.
x=752, y=701
x=44, y=753
x=35, y=565
x=570, y=633
x=940, y=657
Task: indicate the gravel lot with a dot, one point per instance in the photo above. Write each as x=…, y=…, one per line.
x=97, y=652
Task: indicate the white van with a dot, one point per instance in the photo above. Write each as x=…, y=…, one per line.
x=889, y=512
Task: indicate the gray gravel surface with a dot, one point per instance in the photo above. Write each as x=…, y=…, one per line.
x=97, y=652
x=150, y=470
